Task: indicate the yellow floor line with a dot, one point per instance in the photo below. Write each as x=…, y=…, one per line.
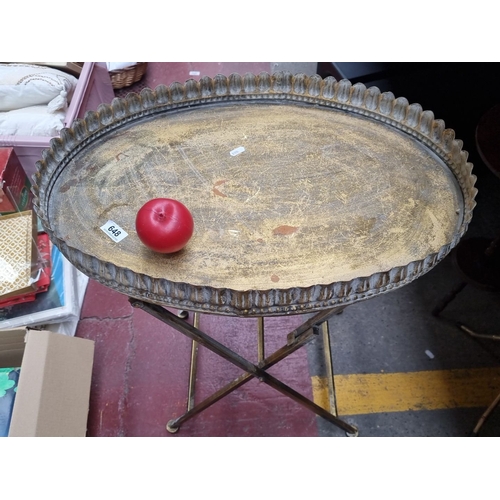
x=426, y=390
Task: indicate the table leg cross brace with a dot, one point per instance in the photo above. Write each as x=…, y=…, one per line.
x=296, y=339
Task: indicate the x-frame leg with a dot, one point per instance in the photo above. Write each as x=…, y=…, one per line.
x=296, y=339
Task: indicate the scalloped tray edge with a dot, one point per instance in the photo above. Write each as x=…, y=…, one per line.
x=283, y=86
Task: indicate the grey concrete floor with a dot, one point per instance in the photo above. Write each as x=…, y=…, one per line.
x=392, y=332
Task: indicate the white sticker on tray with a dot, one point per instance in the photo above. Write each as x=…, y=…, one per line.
x=114, y=231
x=237, y=151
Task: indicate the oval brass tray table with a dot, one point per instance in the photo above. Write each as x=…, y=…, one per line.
x=307, y=195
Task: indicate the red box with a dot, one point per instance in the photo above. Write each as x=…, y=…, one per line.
x=15, y=187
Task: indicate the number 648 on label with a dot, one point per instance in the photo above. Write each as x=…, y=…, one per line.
x=114, y=231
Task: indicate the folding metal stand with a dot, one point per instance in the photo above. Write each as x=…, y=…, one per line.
x=295, y=339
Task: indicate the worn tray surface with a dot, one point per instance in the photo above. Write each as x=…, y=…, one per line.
x=318, y=196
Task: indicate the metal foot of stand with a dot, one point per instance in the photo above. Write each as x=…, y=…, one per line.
x=330, y=376
x=296, y=339
x=171, y=427
x=485, y=416
x=472, y=333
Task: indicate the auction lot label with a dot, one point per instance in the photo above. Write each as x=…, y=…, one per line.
x=114, y=231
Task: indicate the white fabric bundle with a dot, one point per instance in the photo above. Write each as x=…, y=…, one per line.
x=23, y=85
x=32, y=121
x=112, y=66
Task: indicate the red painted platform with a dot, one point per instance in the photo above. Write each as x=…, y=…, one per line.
x=141, y=373
x=141, y=369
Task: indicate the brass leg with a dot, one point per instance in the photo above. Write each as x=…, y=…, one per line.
x=193, y=365
x=330, y=374
x=472, y=333
x=252, y=370
x=242, y=379
x=485, y=415
x=329, y=368
x=260, y=340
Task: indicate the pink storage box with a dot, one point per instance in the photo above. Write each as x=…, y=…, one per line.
x=94, y=87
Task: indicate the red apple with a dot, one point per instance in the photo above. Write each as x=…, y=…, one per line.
x=164, y=225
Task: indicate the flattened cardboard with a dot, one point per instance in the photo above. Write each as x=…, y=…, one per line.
x=12, y=346
x=54, y=385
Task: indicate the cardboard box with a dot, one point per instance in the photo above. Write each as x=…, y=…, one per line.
x=53, y=393
x=15, y=187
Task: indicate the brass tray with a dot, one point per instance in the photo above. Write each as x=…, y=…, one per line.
x=306, y=193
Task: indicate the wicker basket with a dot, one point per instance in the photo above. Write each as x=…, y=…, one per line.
x=127, y=76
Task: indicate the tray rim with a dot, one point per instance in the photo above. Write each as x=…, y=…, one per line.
x=281, y=87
